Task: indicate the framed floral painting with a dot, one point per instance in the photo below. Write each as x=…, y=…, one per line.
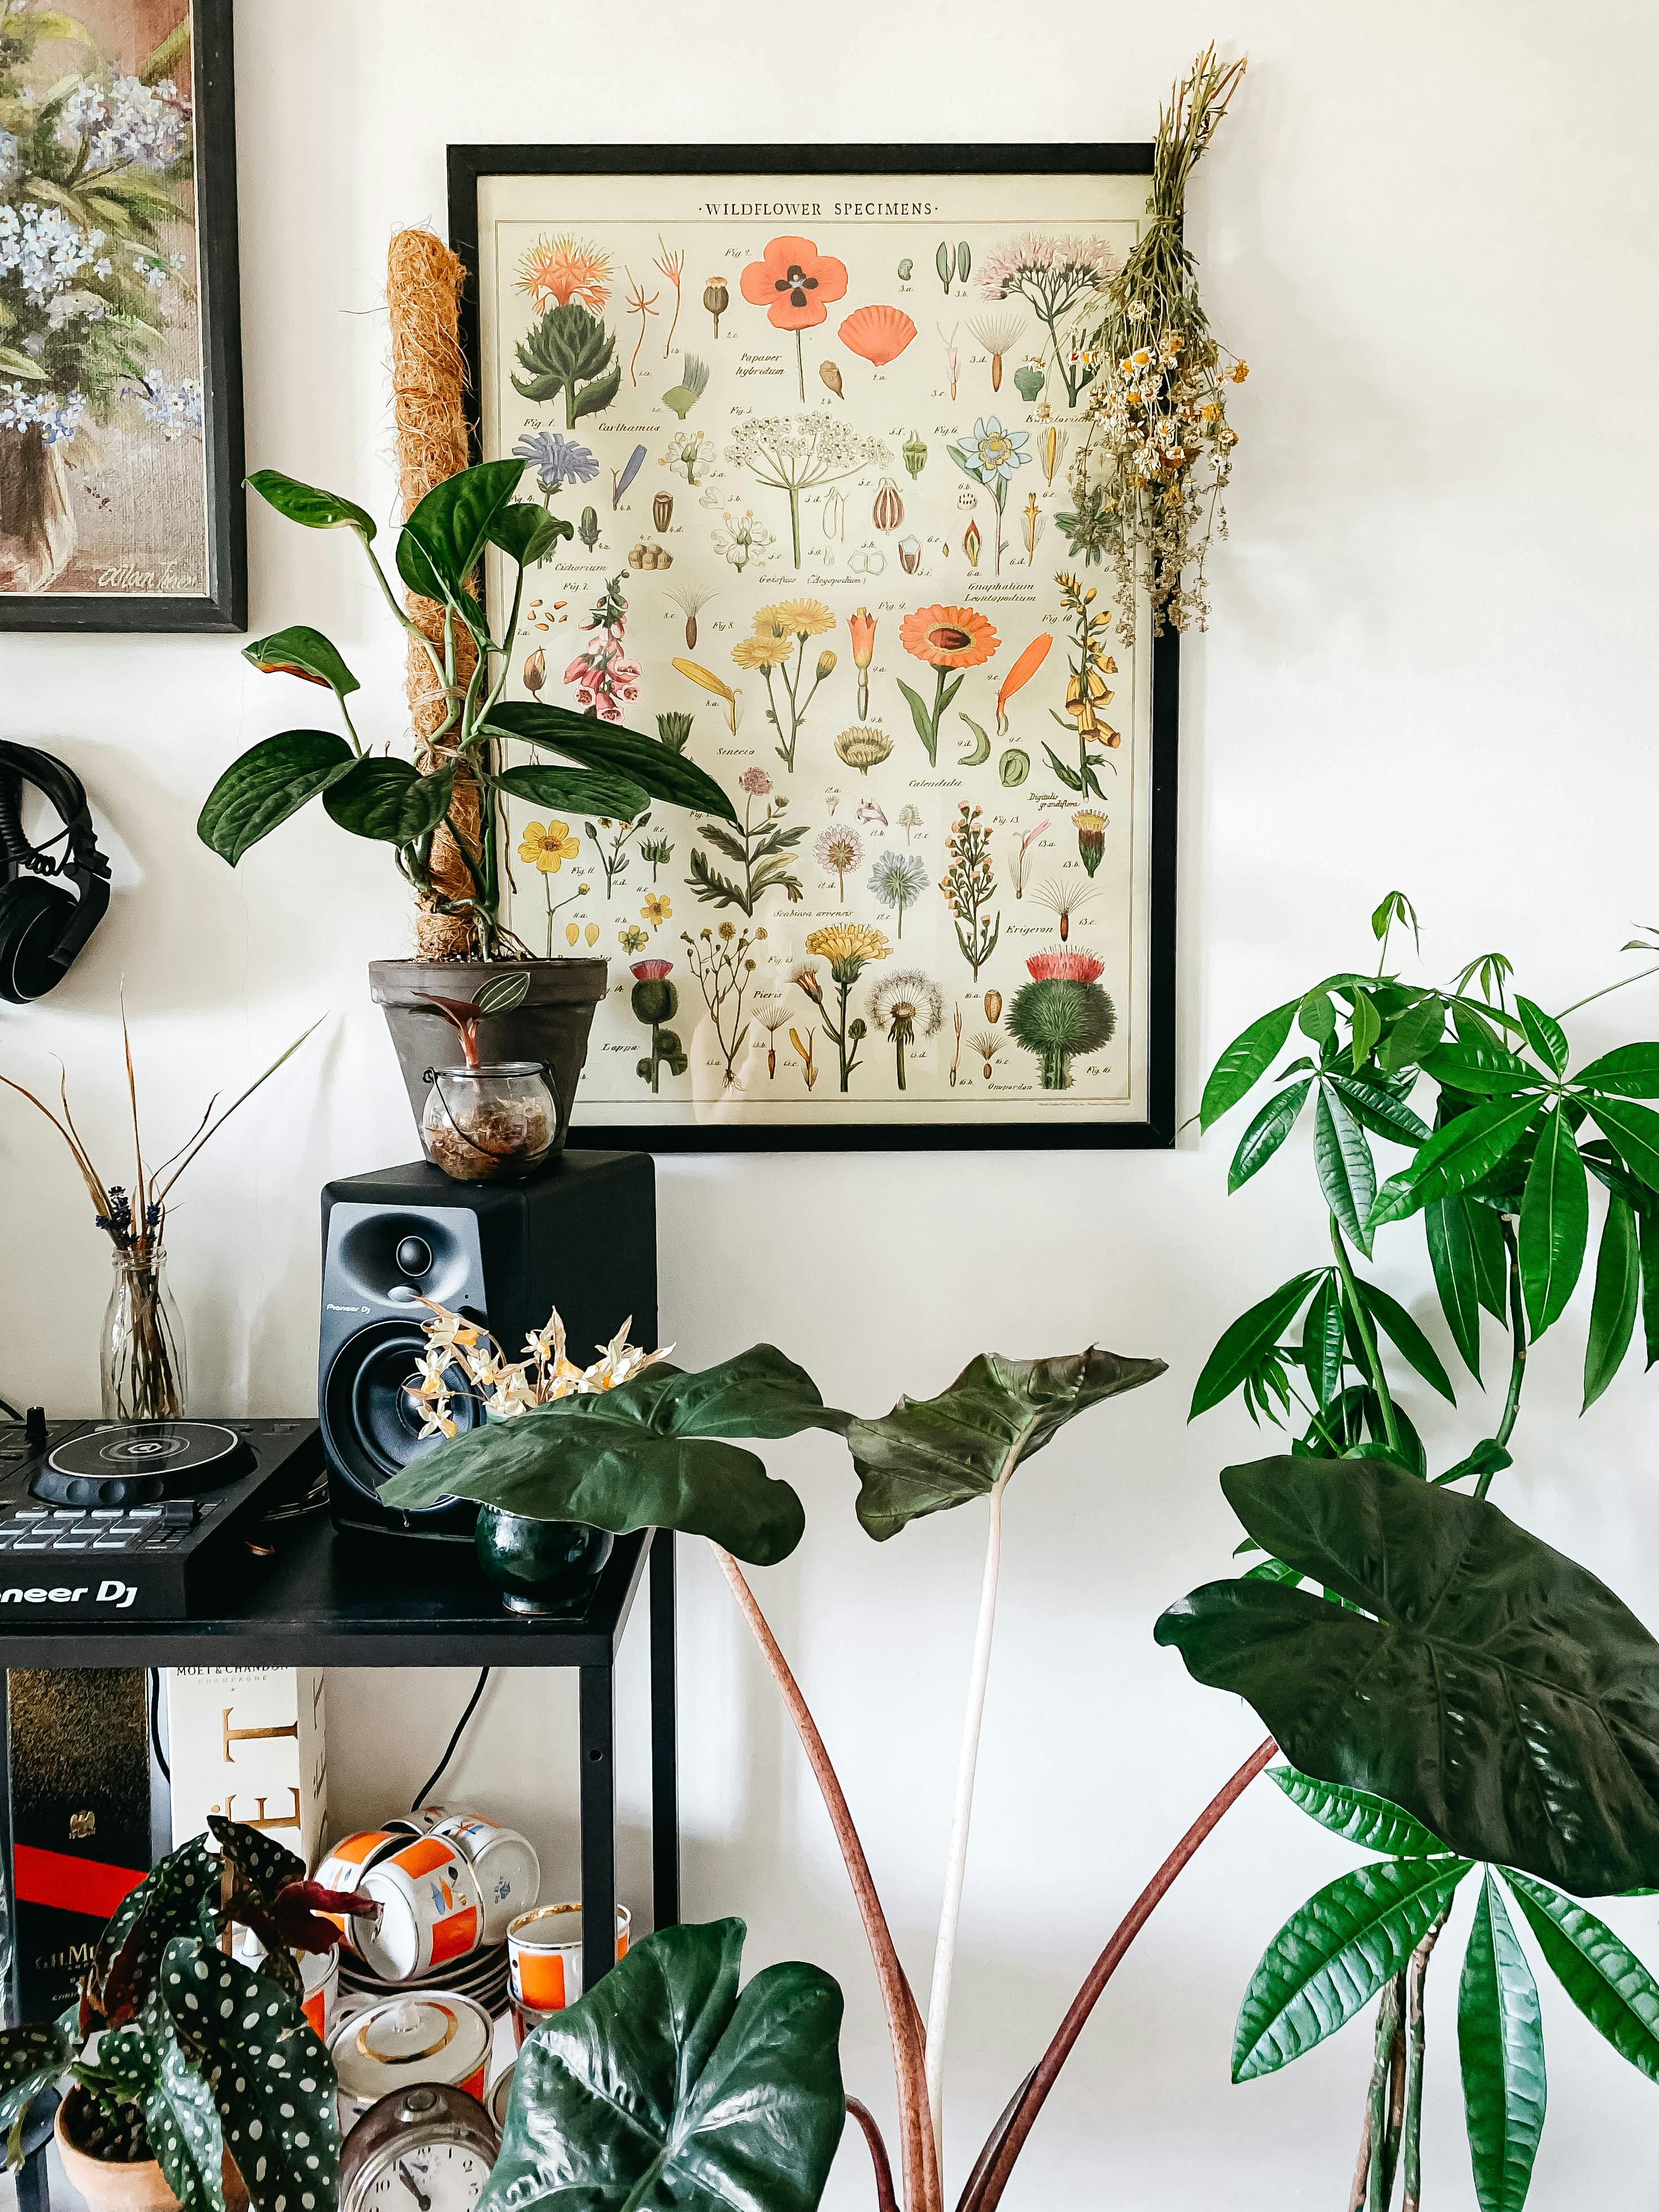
x=121, y=505
x=819, y=422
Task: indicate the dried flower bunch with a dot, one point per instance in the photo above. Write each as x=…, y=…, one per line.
x=1148, y=480
x=507, y=1388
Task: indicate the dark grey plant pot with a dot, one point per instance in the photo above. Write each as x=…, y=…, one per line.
x=539, y=1566
x=550, y=1023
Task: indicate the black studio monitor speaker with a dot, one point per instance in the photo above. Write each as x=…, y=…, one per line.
x=581, y=1237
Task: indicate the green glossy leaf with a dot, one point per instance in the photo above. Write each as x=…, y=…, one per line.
x=647, y=1454
x=1317, y=1016
x=1480, y=1070
x=1346, y=1175
x=931, y=1453
x=271, y=781
x=31, y=2059
x=453, y=524
x=1630, y=1071
x=303, y=652
x=153, y=2070
x=270, y=2080
x=1240, y=1346
x=1647, y=1235
x=1613, y=1309
x=664, y=2089
x=1358, y=1817
x=1497, y=1691
x=1554, y=1222
x=1335, y=1953
x=1488, y=1457
x=614, y=751
x=1366, y=1030
x=387, y=798
x=1378, y=1111
x=1407, y=1338
x=1465, y=1149
x=1500, y=2040
x=527, y=533
x=1603, y=1977
x=304, y=503
x=502, y=993
x=1544, y=1034
x=1323, y=1338
x=1246, y=1060
x=574, y=791
x=1417, y=1031
x=1634, y=1134
x=1266, y=1133
x=1451, y=1255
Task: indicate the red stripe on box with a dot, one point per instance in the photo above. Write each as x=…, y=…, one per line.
x=70, y=1885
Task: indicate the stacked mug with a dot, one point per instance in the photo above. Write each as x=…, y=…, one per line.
x=544, y=1962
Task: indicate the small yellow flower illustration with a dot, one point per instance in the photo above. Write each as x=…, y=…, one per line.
x=547, y=846
x=799, y=618
x=632, y=940
x=770, y=651
x=656, y=909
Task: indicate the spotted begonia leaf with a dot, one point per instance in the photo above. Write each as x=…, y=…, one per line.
x=270, y=2080
x=31, y=2058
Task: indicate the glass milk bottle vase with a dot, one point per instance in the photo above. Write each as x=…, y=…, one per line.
x=142, y=1357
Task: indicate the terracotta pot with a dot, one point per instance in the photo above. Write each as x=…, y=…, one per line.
x=550, y=1023
x=38, y=536
x=139, y=2187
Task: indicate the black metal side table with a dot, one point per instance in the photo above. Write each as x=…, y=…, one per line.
x=314, y=1606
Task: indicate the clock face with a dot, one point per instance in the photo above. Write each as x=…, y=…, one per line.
x=433, y=2177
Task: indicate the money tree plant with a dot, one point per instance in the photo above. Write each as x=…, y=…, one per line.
x=177, y=2051
x=455, y=786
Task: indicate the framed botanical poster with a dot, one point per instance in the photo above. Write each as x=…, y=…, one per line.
x=121, y=505
x=818, y=419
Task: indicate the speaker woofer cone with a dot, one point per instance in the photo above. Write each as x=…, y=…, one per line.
x=371, y=1426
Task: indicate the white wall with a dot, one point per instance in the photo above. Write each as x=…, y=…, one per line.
x=1430, y=230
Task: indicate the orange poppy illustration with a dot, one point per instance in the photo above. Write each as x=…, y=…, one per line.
x=796, y=285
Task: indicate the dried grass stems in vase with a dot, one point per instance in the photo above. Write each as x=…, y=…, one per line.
x=1155, y=461
x=142, y=1361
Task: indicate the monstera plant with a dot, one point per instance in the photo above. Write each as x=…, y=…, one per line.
x=176, y=2052
x=668, y=2085
x=655, y=1452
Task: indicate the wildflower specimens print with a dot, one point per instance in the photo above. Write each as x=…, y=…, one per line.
x=812, y=435
x=120, y=415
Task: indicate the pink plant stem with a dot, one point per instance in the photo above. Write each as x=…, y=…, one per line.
x=885, y=2200
x=986, y=2185
x=921, y=2168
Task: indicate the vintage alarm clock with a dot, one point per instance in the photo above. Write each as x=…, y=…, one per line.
x=428, y=2149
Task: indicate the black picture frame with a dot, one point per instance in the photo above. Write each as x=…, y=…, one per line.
x=466, y=166
x=223, y=605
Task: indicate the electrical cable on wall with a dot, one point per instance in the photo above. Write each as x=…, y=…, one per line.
x=436, y=1775
x=155, y=1724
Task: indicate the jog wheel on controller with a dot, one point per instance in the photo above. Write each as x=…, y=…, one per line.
x=142, y=1462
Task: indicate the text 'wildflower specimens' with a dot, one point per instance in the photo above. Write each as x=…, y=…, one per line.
x=820, y=437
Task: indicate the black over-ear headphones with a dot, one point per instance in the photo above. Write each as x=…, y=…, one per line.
x=42, y=925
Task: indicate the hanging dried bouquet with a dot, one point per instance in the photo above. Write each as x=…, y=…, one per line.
x=1148, y=479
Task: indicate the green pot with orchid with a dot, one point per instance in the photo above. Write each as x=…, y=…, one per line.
x=539, y=1565
x=449, y=805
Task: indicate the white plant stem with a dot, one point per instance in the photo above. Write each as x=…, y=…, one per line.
x=944, y=1954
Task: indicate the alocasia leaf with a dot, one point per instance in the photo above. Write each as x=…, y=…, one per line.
x=647, y=1454
x=930, y=1454
x=1492, y=1688
x=665, y=2089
